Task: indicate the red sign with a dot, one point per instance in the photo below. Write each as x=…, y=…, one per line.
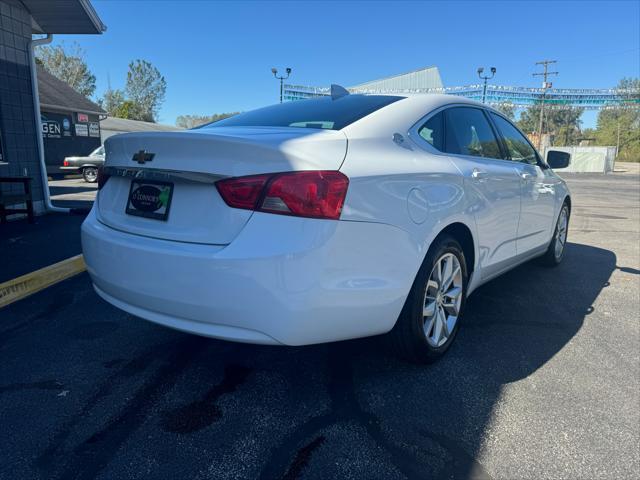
x=83, y=117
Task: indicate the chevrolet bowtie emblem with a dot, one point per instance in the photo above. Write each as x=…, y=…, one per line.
x=143, y=156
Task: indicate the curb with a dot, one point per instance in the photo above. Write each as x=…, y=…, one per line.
x=25, y=285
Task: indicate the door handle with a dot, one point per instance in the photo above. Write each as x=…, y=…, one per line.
x=478, y=174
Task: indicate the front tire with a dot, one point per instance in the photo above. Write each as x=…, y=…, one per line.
x=555, y=253
x=90, y=174
x=431, y=315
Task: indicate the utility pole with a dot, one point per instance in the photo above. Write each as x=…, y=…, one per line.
x=545, y=86
x=618, y=141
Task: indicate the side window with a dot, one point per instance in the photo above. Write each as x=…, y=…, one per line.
x=517, y=146
x=469, y=133
x=433, y=131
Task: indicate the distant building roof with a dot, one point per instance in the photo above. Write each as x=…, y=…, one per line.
x=115, y=124
x=57, y=95
x=63, y=16
x=417, y=79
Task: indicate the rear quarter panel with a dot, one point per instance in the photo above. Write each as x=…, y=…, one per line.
x=402, y=185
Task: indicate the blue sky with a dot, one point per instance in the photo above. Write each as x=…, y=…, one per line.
x=216, y=56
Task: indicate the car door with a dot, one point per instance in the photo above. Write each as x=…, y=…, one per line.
x=537, y=211
x=492, y=183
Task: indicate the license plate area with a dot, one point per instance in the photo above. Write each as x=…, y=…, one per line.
x=150, y=199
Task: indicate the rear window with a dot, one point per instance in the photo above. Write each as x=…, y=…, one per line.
x=321, y=113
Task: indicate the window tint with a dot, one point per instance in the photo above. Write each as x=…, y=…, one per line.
x=469, y=133
x=322, y=113
x=518, y=147
x=433, y=131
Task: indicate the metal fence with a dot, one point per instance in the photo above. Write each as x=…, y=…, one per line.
x=589, y=99
x=588, y=159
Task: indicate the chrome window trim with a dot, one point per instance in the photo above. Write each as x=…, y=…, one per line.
x=413, y=134
x=424, y=145
x=540, y=163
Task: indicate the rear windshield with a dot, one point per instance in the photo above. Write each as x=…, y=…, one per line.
x=323, y=113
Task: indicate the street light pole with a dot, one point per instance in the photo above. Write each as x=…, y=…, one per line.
x=485, y=78
x=282, y=78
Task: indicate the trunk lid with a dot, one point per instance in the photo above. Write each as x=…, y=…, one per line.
x=191, y=162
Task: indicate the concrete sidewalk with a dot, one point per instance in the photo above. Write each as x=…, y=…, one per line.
x=27, y=247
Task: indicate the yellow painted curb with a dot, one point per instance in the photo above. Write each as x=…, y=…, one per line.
x=21, y=287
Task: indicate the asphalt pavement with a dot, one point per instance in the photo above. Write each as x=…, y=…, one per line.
x=72, y=192
x=543, y=381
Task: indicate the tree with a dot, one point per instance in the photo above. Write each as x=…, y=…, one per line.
x=507, y=110
x=128, y=109
x=68, y=65
x=112, y=101
x=146, y=89
x=621, y=126
x=564, y=123
x=191, y=121
x=116, y=105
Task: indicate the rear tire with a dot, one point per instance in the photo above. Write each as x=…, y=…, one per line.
x=555, y=253
x=432, y=312
x=90, y=174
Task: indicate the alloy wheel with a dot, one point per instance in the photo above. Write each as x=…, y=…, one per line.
x=442, y=300
x=90, y=175
x=561, y=233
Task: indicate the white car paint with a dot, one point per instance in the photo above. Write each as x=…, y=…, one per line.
x=264, y=278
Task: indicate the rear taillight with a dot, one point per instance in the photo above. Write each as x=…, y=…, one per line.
x=315, y=194
x=242, y=192
x=65, y=163
x=306, y=194
x=103, y=176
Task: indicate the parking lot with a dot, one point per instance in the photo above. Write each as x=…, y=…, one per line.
x=543, y=380
x=72, y=192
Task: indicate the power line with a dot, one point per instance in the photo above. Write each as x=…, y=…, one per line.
x=545, y=86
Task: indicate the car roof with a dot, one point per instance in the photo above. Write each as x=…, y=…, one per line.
x=402, y=115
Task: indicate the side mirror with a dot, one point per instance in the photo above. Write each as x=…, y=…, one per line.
x=558, y=159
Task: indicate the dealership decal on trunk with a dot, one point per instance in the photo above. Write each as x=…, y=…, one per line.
x=150, y=199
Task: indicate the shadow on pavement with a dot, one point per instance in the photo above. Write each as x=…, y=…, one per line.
x=84, y=205
x=151, y=402
x=26, y=247
x=430, y=421
x=66, y=190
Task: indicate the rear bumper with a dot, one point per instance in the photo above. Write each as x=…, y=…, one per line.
x=283, y=280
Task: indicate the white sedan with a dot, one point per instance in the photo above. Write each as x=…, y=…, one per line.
x=323, y=220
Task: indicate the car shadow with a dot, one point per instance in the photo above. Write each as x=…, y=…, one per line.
x=348, y=409
x=431, y=420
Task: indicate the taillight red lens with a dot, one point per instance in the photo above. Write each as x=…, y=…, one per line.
x=317, y=194
x=65, y=163
x=314, y=194
x=242, y=192
x=102, y=177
